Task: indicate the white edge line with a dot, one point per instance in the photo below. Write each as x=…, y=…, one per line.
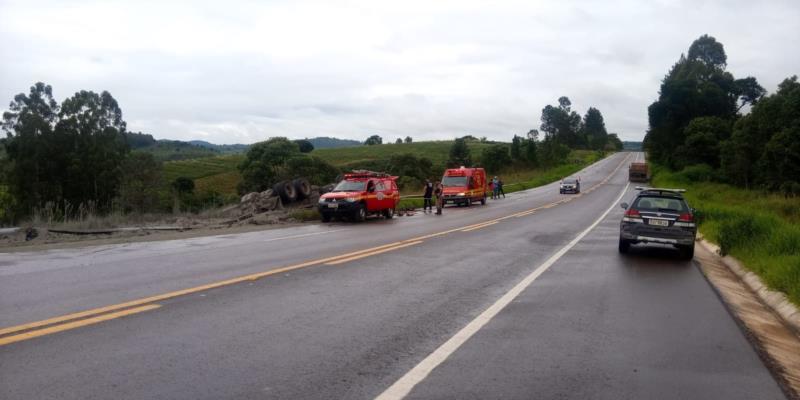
x=403, y=386
x=300, y=236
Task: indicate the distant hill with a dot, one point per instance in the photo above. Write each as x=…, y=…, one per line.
x=172, y=150
x=332, y=143
x=167, y=150
x=222, y=148
x=634, y=146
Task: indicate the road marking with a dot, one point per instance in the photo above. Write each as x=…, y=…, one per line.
x=301, y=236
x=358, y=257
x=75, y=324
x=252, y=277
x=405, y=384
x=182, y=292
x=474, y=228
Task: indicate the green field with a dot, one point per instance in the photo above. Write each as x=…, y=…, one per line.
x=760, y=229
x=438, y=152
x=220, y=174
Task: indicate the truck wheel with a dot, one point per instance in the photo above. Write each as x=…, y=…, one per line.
x=483, y=200
x=624, y=246
x=468, y=202
x=302, y=188
x=360, y=214
x=326, y=217
x=286, y=191
x=388, y=213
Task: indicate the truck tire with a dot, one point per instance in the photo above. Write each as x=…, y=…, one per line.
x=286, y=191
x=483, y=200
x=302, y=188
x=388, y=213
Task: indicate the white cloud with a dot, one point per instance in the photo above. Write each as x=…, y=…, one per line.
x=241, y=71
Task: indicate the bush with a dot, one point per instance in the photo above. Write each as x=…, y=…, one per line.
x=495, y=158
x=741, y=230
x=697, y=173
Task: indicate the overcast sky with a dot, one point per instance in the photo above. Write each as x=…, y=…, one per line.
x=240, y=72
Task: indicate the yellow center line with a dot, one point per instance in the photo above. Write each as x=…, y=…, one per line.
x=75, y=324
x=339, y=259
x=345, y=260
x=479, y=226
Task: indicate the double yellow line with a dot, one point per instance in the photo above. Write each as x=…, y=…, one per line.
x=89, y=317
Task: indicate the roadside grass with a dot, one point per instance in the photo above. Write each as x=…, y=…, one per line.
x=760, y=229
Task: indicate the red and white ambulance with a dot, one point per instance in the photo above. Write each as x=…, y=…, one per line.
x=465, y=186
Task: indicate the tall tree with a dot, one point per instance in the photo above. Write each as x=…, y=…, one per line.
x=595, y=129
x=707, y=50
x=460, y=154
x=562, y=124
x=373, y=140
x=28, y=124
x=696, y=86
x=409, y=139
x=516, y=148
x=91, y=124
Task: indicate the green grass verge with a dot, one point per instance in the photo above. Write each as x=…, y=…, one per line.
x=762, y=230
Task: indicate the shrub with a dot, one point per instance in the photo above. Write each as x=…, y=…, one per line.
x=698, y=173
x=740, y=231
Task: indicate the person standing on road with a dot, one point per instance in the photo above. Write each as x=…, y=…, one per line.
x=438, y=191
x=495, y=188
x=427, y=202
x=491, y=188
x=500, y=189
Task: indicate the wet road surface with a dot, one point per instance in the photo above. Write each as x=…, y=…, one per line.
x=305, y=314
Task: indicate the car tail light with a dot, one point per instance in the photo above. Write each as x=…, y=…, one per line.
x=686, y=217
x=633, y=213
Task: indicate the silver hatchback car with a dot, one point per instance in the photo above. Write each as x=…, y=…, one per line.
x=658, y=216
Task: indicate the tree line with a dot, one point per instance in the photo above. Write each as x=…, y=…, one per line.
x=700, y=124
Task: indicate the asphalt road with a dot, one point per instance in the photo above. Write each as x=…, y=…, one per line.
x=314, y=318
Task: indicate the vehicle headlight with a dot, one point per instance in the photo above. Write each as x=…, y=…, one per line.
x=461, y=194
x=351, y=199
x=321, y=200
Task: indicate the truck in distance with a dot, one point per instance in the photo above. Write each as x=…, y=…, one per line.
x=638, y=172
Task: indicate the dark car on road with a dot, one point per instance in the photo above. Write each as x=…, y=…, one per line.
x=658, y=216
x=570, y=185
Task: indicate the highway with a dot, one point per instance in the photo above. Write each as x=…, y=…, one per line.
x=524, y=298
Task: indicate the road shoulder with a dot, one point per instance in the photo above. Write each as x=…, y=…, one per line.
x=777, y=343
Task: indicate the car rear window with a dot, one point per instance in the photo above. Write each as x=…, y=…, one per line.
x=570, y=181
x=660, y=203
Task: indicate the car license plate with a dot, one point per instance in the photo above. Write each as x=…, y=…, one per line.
x=658, y=222
x=333, y=205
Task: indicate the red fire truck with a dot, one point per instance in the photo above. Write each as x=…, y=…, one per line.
x=359, y=194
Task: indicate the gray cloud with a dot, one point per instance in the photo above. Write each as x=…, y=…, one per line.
x=243, y=71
